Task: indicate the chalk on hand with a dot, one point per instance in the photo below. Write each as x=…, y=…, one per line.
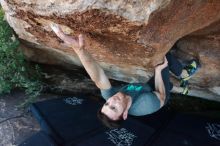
x=54, y=27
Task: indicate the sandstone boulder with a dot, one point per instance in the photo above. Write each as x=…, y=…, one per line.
x=127, y=38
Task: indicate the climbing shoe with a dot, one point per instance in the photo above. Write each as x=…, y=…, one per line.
x=185, y=90
x=184, y=83
x=191, y=69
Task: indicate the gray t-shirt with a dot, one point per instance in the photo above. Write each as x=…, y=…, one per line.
x=144, y=100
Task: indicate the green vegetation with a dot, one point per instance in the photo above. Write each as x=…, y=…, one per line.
x=15, y=72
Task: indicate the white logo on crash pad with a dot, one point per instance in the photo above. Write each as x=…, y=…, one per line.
x=73, y=100
x=121, y=137
x=213, y=130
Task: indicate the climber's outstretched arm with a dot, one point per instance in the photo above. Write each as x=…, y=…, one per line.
x=95, y=72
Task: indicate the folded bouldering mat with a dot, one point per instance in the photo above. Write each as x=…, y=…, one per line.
x=73, y=121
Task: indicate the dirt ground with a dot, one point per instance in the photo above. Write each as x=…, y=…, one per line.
x=16, y=124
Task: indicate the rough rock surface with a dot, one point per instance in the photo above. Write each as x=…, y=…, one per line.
x=15, y=130
x=128, y=38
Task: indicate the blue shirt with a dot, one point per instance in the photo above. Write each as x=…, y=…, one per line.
x=144, y=100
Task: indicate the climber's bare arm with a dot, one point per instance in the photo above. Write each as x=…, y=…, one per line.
x=95, y=72
x=159, y=84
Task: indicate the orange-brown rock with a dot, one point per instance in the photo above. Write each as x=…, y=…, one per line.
x=127, y=38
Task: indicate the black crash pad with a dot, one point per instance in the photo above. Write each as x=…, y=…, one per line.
x=190, y=130
x=73, y=121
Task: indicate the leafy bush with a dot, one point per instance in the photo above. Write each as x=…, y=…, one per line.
x=15, y=72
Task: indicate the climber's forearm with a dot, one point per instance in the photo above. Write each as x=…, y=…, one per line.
x=95, y=72
x=93, y=69
x=159, y=86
